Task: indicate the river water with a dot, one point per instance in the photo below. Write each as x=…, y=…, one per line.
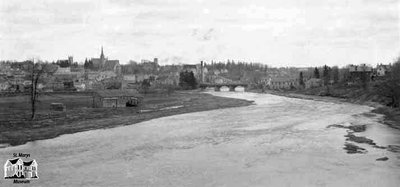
x=278, y=141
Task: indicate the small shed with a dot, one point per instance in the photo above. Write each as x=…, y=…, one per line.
x=117, y=98
x=58, y=107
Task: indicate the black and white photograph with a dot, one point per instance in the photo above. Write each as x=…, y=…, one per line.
x=193, y=93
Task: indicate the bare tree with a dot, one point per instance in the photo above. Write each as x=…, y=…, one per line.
x=326, y=75
x=36, y=71
x=145, y=86
x=335, y=74
x=301, y=79
x=316, y=73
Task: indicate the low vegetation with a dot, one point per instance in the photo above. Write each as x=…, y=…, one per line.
x=16, y=129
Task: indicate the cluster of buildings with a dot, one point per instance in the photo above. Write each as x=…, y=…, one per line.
x=62, y=76
x=101, y=76
x=103, y=73
x=379, y=72
x=355, y=72
x=13, y=77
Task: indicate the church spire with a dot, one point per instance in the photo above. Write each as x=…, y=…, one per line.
x=102, y=54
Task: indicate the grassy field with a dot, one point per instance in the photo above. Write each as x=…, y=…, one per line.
x=16, y=128
x=22, y=103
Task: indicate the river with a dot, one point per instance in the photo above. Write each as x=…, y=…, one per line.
x=278, y=141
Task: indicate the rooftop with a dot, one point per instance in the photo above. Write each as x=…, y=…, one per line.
x=14, y=161
x=189, y=66
x=28, y=163
x=118, y=93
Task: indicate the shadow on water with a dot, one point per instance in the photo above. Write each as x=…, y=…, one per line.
x=351, y=148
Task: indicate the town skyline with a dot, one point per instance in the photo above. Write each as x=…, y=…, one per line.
x=155, y=59
x=288, y=33
x=200, y=92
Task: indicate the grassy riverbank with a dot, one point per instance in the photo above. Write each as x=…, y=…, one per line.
x=392, y=115
x=15, y=129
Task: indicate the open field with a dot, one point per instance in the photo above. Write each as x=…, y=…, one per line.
x=15, y=128
x=22, y=103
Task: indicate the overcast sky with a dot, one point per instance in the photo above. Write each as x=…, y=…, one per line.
x=278, y=33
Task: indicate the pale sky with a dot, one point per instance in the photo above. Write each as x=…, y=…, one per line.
x=277, y=33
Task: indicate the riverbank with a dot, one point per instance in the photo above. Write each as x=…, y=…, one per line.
x=261, y=145
x=392, y=115
x=81, y=118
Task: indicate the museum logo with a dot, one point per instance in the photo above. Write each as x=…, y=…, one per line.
x=20, y=171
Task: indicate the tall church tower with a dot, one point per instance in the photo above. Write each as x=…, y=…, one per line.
x=102, y=58
x=102, y=54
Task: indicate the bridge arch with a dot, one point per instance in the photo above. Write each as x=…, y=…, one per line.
x=224, y=86
x=240, y=89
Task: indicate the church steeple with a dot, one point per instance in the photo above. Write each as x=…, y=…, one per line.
x=102, y=54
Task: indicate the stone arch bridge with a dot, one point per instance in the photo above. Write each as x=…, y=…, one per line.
x=217, y=86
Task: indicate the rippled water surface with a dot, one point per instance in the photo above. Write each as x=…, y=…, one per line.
x=276, y=142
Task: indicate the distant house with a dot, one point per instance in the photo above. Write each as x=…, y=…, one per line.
x=219, y=79
x=142, y=77
x=16, y=168
x=62, y=82
x=382, y=70
x=63, y=70
x=130, y=85
x=80, y=69
x=359, y=68
x=313, y=83
x=282, y=83
x=357, y=72
x=128, y=81
x=66, y=63
x=105, y=75
x=168, y=79
x=117, y=98
x=17, y=78
x=150, y=66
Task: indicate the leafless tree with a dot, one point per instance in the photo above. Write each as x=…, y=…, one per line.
x=36, y=72
x=335, y=74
